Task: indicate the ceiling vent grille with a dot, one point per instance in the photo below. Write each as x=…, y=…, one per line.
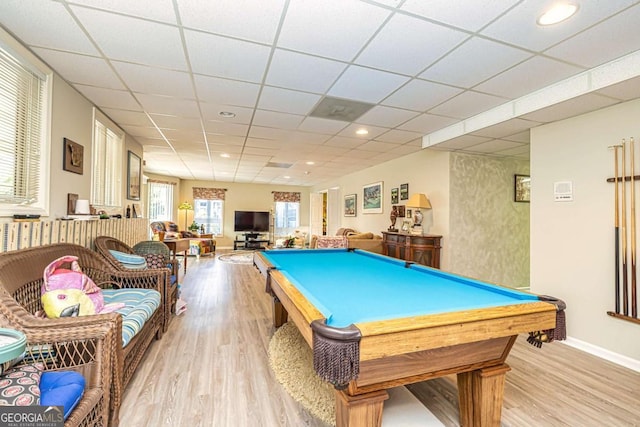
x=279, y=165
x=345, y=110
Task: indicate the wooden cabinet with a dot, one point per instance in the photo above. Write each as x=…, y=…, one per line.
x=422, y=249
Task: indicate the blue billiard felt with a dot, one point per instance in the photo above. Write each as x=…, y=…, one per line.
x=357, y=286
x=61, y=389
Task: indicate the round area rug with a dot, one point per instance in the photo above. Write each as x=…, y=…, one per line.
x=291, y=359
x=237, y=257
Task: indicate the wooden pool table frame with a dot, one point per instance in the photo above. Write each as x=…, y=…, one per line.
x=473, y=344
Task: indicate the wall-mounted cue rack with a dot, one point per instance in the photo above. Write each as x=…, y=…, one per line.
x=625, y=280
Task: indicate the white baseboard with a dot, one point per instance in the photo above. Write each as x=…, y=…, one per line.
x=602, y=353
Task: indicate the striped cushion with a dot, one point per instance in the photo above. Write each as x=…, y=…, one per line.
x=131, y=261
x=140, y=304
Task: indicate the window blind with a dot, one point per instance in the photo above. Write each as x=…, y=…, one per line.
x=106, y=187
x=22, y=97
x=160, y=201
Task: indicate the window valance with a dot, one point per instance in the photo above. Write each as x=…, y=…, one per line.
x=209, y=193
x=286, y=196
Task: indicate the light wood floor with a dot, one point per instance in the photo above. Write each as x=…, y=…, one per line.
x=211, y=369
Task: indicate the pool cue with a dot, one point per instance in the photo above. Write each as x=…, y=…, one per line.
x=616, y=227
x=634, y=307
x=625, y=280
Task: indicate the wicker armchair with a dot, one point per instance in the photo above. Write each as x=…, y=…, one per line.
x=21, y=279
x=104, y=244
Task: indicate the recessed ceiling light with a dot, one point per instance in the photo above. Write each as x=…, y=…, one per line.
x=227, y=114
x=558, y=13
x=286, y=177
x=311, y=163
x=225, y=155
x=362, y=131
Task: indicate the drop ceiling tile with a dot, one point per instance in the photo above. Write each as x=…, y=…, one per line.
x=227, y=92
x=292, y=70
x=245, y=19
x=365, y=84
x=155, y=81
x=606, y=41
x=461, y=142
x=377, y=146
x=164, y=121
x=400, y=45
x=397, y=136
x=519, y=27
x=169, y=105
x=211, y=111
x=527, y=77
x=386, y=116
x=420, y=95
x=626, y=90
x=507, y=128
x=287, y=101
x=225, y=139
x=82, y=69
x=142, y=131
x=225, y=128
x=331, y=28
x=427, y=123
x=467, y=104
x=523, y=137
x=224, y=57
x=570, y=108
x=344, y=142
x=470, y=15
x=475, y=61
x=182, y=135
x=110, y=98
x=523, y=150
x=155, y=44
x=318, y=125
x=123, y=117
x=56, y=27
x=157, y=10
x=277, y=120
x=493, y=146
x=357, y=154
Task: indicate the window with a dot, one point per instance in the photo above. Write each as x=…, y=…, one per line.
x=160, y=201
x=106, y=175
x=209, y=214
x=25, y=95
x=287, y=218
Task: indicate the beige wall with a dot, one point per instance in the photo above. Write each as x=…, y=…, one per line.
x=572, y=243
x=239, y=196
x=426, y=171
x=72, y=117
x=489, y=231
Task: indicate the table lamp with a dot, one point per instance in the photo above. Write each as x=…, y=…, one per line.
x=185, y=206
x=418, y=201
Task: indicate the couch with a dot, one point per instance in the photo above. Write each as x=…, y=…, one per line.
x=114, y=251
x=21, y=281
x=355, y=240
x=199, y=244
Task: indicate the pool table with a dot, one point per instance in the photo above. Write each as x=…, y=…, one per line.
x=376, y=322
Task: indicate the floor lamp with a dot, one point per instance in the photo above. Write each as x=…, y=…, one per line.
x=185, y=206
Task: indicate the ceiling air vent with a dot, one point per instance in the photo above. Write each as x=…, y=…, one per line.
x=340, y=109
x=278, y=165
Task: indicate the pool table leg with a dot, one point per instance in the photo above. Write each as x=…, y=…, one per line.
x=480, y=394
x=280, y=314
x=364, y=410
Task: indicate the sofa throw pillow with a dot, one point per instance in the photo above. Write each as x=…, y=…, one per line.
x=20, y=385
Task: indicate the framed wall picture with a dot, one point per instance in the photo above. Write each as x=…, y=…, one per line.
x=372, y=198
x=401, y=211
x=73, y=157
x=522, y=188
x=350, y=208
x=134, y=176
x=394, y=196
x=404, y=191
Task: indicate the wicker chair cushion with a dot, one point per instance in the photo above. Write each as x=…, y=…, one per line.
x=20, y=385
x=139, y=305
x=131, y=261
x=64, y=388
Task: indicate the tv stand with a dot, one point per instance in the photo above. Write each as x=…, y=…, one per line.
x=251, y=241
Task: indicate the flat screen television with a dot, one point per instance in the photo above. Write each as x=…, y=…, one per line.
x=251, y=222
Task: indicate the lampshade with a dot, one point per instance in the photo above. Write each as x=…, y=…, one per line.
x=185, y=206
x=82, y=207
x=418, y=200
